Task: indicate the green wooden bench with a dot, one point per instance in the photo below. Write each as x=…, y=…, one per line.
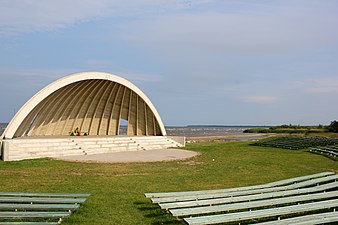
x=317, y=193
x=200, y=196
x=253, y=204
x=262, y=213
x=18, y=207
x=325, y=151
x=255, y=197
x=272, y=184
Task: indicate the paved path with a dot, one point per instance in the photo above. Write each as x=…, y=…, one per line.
x=134, y=156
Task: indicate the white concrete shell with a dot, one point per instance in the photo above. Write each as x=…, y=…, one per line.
x=94, y=102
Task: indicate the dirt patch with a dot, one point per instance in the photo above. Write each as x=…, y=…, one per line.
x=133, y=156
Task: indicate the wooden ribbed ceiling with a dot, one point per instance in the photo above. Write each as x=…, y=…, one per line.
x=93, y=106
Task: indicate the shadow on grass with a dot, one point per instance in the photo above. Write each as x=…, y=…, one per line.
x=168, y=223
x=141, y=202
x=154, y=212
x=165, y=218
x=146, y=206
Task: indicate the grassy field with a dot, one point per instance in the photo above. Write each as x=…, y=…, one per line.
x=117, y=189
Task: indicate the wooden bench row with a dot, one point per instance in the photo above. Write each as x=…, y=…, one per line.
x=246, y=198
x=327, y=151
x=318, y=218
x=200, y=196
x=262, y=213
x=252, y=204
x=297, y=142
x=309, y=195
x=16, y=207
x=272, y=184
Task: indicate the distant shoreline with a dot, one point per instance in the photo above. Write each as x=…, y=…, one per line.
x=195, y=131
x=200, y=126
x=220, y=126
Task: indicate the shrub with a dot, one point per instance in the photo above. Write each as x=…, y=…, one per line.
x=333, y=127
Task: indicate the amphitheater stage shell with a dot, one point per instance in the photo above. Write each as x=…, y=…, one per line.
x=105, y=112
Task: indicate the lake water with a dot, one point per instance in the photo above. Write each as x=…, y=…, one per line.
x=202, y=131
x=224, y=133
x=230, y=132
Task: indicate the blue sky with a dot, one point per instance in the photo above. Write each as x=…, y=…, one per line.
x=224, y=62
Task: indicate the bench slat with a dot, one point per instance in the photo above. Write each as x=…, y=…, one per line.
x=204, y=202
x=272, y=184
x=22, y=194
x=28, y=223
x=39, y=206
x=41, y=200
x=19, y=215
x=253, y=204
x=263, y=213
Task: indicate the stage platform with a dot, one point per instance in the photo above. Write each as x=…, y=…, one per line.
x=58, y=146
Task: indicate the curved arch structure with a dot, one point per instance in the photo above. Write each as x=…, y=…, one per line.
x=93, y=102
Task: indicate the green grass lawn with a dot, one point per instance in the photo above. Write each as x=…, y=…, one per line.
x=117, y=189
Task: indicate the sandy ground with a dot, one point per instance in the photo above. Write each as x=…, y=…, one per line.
x=134, y=156
x=155, y=155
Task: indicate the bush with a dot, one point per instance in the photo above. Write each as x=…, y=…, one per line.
x=333, y=127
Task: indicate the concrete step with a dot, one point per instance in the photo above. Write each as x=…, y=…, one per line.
x=30, y=148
